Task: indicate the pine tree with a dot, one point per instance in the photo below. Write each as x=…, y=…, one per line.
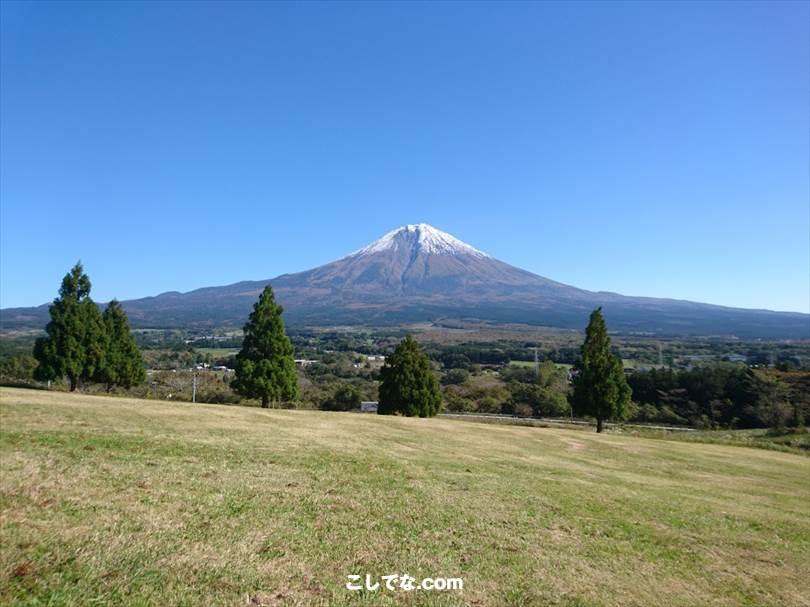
x=600, y=387
x=123, y=363
x=74, y=347
x=264, y=366
x=408, y=384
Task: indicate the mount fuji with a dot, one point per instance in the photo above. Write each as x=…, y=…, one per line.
x=417, y=273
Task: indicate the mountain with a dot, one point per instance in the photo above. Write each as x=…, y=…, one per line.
x=418, y=273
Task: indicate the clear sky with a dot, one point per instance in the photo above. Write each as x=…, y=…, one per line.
x=645, y=148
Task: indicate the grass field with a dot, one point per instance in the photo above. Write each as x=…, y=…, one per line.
x=113, y=501
x=792, y=441
x=217, y=352
x=531, y=364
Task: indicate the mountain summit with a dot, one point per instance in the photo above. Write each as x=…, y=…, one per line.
x=416, y=259
x=420, y=238
x=418, y=273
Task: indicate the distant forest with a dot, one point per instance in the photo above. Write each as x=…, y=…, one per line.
x=691, y=382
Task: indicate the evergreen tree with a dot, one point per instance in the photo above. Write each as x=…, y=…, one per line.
x=408, y=385
x=264, y=366
x=600, y=387
x=74, y=347
x=123, y=363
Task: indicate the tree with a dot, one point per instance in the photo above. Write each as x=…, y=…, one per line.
x=543, y=401
x=455, y=376
x=408, y=385
x=600, y=387
x=19, y=367
x=769, y=403
x=345, y=398
x=265, y=367
x=74, y=346
x=123, y=363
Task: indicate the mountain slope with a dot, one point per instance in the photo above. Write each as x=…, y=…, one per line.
x=418, y=273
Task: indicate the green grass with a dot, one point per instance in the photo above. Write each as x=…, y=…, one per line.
x=217, y=352
x=790, y=440
x=531, y=364
x=113, y=501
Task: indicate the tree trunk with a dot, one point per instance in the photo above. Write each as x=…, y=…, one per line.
x=265, y=402
x=74, y=383
x=599, y=424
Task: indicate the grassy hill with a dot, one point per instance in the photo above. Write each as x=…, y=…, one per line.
x=127, y=502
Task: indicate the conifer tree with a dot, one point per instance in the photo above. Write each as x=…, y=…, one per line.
x=74, y=346
x=408, y=384
x=600, y=387
x=123, y=363
x=264, y=366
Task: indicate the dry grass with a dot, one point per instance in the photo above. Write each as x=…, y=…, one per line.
x=129, y=502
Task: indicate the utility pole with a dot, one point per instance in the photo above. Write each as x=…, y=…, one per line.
x=194, y=386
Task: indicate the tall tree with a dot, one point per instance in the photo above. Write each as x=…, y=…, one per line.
x=74, y=346
x=265, y=367
x=600, y=387
x=408, y=384
x=123, y=363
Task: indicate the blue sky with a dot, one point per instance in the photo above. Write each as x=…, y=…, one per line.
x=645, y=148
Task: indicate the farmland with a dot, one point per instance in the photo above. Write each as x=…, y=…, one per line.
x=111, y=501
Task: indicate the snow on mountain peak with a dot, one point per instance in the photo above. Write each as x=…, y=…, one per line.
x=423, y=237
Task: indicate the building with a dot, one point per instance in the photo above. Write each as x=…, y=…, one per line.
x=304, y=362
x=375, y=361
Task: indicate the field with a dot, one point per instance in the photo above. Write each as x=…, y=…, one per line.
x=789, y=440
x=217, y=352
x=113, y=501
x=530, y=364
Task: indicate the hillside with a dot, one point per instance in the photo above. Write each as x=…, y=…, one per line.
x=111, y=501
x=418, y=273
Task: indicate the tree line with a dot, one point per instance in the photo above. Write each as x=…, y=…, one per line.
x=722, y=395
x=83, y=344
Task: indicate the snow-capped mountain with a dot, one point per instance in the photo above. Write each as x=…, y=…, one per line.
x=418, y=273
x=414, y=259
x=420, y=238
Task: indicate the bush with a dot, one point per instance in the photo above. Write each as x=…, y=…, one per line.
x=489, y=404
x=458, y=404
x=646, y=413
x=455, y=376
x=526, y=375
x=542, y=401
x=19, y=367
x=345, y=398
